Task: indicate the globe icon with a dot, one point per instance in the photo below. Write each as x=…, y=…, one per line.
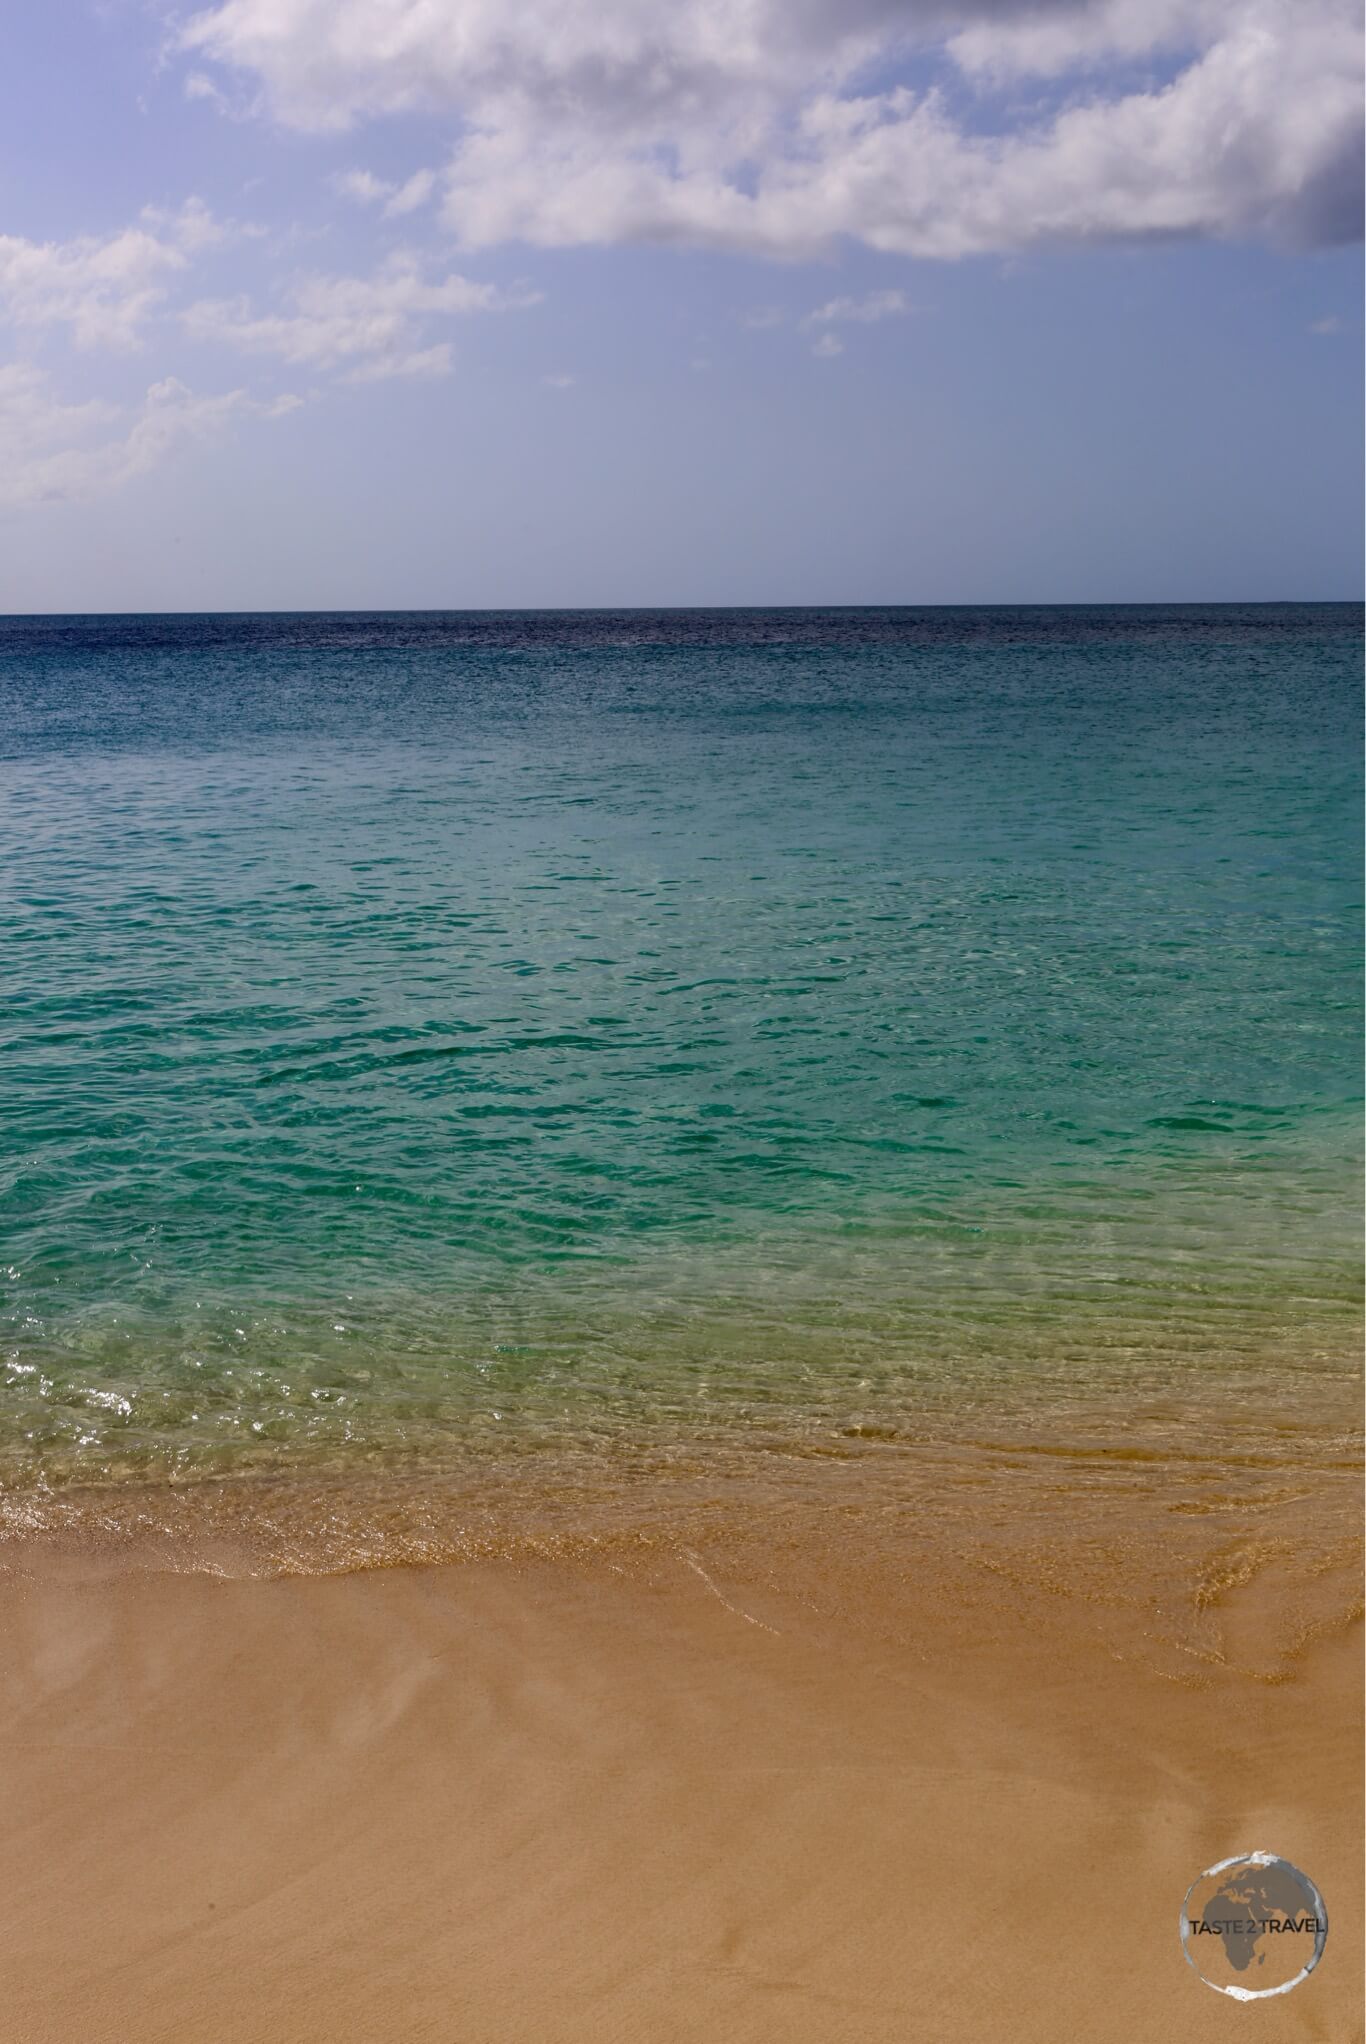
x=1253, y=1926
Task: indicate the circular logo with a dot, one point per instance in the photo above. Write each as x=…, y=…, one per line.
x=1253, y=1926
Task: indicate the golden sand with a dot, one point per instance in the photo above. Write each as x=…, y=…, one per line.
x=887, y=1749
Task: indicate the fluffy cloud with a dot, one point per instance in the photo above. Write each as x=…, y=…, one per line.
x=394, y=200
x=780, y=126
x=621, y=63
x=367, y=326
x=103, y=287
x=51, y=451
x=362, y=186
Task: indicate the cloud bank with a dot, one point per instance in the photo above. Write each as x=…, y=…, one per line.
x=781, y=127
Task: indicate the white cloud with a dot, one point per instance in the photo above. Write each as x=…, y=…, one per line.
x=415, y=192
x=104, y=287
x=368, y=326
x=760, y=318
x=744, y=124
x=434, y=361
x=1331, y=325
x=876, y=305
x=1053, y=41
x=362, y=186
x=198, y=85
x=326, y=63
x=394, y=199
x=559, y=381
x=51, y=451
x=828, y=346
x=193, y=228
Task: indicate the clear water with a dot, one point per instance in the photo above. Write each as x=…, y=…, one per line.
x=427, y=1031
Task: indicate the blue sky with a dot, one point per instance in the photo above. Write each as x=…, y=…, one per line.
x=366, y=303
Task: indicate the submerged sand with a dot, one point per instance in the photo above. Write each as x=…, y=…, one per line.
x=844, y=1760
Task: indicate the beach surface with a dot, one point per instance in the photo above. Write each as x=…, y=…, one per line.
x=817, y=1772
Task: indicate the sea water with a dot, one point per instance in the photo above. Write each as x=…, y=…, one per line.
x=427, y=1032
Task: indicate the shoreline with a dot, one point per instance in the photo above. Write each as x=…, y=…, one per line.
x=1160, y=1519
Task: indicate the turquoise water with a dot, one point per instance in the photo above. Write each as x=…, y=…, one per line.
x=422, y=1030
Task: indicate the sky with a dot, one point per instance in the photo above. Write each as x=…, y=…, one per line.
x=354, y=304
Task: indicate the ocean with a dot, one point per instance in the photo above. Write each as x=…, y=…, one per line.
x=436, y=1040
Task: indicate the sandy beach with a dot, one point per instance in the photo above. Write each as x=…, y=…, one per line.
x=810, y=1773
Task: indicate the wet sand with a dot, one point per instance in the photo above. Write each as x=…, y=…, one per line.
x=814, y=1773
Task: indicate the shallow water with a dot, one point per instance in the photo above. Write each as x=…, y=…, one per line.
x=429, y=1036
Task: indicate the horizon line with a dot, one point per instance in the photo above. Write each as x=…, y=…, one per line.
x=684, y=609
